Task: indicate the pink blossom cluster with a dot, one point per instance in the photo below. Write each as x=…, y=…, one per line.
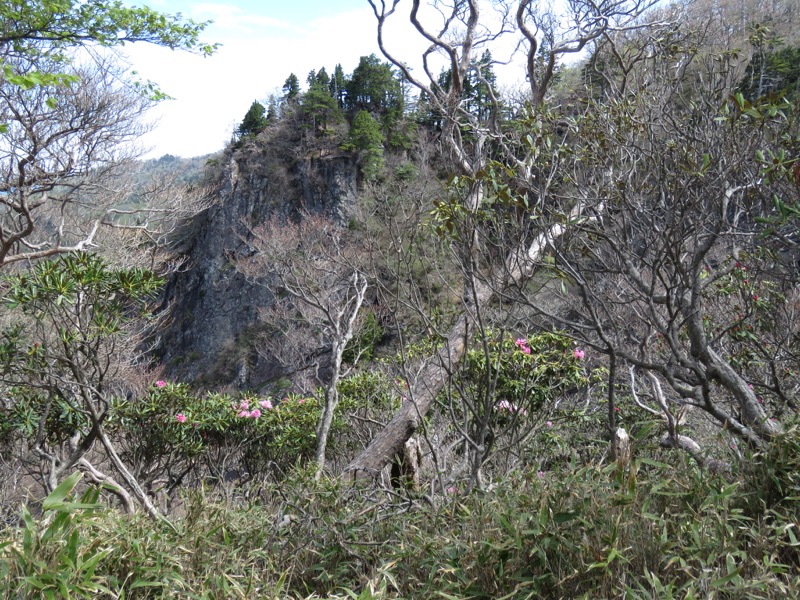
x=161, y=383
x=180, y=418
x=286, y=401
x=511, y=407
x=245, y=412
x=522, y=344
x=579, y=354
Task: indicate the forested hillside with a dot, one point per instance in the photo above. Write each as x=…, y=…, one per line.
x=415, y=332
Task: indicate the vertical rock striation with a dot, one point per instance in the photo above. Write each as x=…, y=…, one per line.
x=214, y=308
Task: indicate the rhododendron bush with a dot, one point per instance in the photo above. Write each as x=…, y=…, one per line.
x=506, y=391
x=173, y=431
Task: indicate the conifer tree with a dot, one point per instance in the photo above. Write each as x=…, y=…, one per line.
x=320, y=107
x=272, y=109
x=254, y=121
x=337, y=86
x=373, y=87
x=291, y=87
x=321, y=78
x=366, y=138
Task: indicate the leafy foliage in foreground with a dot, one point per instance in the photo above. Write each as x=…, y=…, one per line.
x=658, y=530
x=176, y=433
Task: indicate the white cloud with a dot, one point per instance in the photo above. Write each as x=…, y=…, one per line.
x=233, y=17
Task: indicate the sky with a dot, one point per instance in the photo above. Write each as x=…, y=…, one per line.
x=262, y=42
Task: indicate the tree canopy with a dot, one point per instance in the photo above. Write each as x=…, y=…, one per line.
x=373, y=87
x=255, y=120
x=291, y=87
x=33, y=28
x=61, y=143
x=367, y=139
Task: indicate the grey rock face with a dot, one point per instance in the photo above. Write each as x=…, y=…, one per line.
x=214, y=307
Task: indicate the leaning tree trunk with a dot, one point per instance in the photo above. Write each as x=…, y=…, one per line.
x=391, y=440
x=389, y=443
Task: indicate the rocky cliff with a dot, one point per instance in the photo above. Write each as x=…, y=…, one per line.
x=214, y=308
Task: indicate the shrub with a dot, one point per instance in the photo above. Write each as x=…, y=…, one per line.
x=666, y=530
x=362, y=347
x=173, y=431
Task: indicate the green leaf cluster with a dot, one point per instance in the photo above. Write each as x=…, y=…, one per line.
x=80, y=295
x=59, y=555
x=72, y=311
x=173, y=424
x=67, y=23
x=255, y=120
x=366, y=138
x=528, y=381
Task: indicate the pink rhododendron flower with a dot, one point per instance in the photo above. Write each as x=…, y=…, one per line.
x=265, y=404
x=549, y=423
x=161, y=383
x=522, y=344
x=301, y=400
x=243, y=413
x=540, y=474
x=511, y=407
x=255, y=413
x=244, y=405
x=451, y=490
x=579, y=354
x=180, y=418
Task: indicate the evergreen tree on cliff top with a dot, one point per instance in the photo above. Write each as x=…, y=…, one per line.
x=254, y=121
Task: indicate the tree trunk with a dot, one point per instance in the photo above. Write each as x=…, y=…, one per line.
x=519, y=265
x=98, y=478
x=621, y=450
x=326, y=419
x=389, y=442
x=129, y=479
x=344, y=326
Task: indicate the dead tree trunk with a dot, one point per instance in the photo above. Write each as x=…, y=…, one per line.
x=389, y=442
x=519, y=265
